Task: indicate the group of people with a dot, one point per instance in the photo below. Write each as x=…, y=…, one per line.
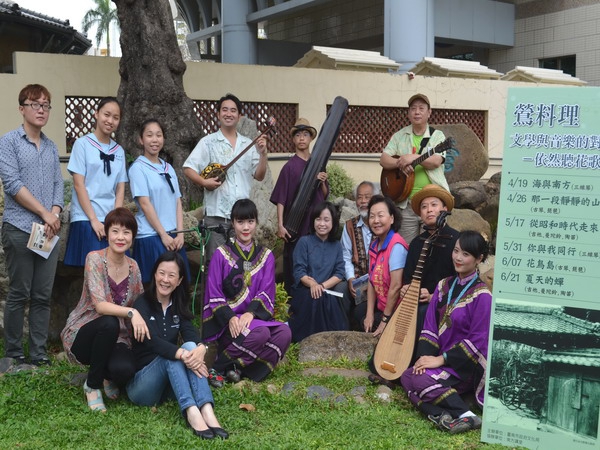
x=134, y=308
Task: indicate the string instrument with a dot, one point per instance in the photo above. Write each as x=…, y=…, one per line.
x=396, y=185
x=292, y=221
x=216, y=170
x=394, y=349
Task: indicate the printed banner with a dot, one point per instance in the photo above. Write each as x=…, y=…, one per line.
x=543, y=374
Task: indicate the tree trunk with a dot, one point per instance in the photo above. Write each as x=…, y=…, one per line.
x=151, y=70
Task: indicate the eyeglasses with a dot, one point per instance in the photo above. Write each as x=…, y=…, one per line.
x=36, y=106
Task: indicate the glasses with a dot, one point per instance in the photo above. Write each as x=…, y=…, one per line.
x=36, y=106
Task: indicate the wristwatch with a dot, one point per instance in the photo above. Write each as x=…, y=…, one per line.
x=130, y=313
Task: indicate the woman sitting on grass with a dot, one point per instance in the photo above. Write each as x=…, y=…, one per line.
x=97, y=332
x=240, y=302
x=165, y=369
x=452, y=349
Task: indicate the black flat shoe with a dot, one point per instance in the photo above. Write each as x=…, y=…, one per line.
x=219, y=432
x=204, y=434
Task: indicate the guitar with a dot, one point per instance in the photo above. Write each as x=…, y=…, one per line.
x=216, y=170
x=396, y=185
x=395, y=346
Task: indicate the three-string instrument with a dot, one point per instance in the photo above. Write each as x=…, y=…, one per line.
x=395, y=347
x=309, y=183
x=396, y=185
x=216, y=170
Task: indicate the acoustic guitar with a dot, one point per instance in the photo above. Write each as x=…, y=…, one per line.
x=216, y=170
x=396, y=185
x=395, y=347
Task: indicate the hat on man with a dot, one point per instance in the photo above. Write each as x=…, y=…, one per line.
x=301, y=125
x=419, y=97
x=432, y=190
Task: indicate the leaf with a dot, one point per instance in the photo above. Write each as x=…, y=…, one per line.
x=247, y=407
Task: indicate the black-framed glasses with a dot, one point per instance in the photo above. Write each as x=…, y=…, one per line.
x=36, y=106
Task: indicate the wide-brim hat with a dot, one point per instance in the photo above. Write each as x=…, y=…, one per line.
x=417, y=97
x=431, y=190
x=301, y=125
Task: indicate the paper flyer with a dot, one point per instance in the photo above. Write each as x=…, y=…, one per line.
x=39, y=242
x=543, y=373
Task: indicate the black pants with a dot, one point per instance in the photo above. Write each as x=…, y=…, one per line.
x=96, y=345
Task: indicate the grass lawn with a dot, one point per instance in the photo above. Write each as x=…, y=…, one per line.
x=40, y=410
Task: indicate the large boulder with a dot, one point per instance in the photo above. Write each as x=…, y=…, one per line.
x=471, y=160
x=333, y=344
x=467, y=219
x=468, y=194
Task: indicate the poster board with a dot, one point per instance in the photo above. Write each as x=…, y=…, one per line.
x=543, y=373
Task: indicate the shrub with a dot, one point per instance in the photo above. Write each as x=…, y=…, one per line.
x=281, y=303
x=340, y=183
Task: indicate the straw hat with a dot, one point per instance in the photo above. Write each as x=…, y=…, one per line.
x=431, y=190
x=302, y=124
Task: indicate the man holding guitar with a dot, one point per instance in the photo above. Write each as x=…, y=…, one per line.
x=222, y=147
x=404, y=148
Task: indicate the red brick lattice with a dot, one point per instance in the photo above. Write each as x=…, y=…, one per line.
x=366, y=129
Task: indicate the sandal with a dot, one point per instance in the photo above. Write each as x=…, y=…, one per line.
x=215, y=378
x=111, y=389
x=96, y=404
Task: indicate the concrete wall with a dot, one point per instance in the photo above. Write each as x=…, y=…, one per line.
x=311, y=89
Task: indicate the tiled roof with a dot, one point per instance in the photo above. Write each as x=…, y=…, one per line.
x=445, y=67
x=13, y=8
x=539, y=75
x=346, y=59
x=543, y=320
x=586, y=357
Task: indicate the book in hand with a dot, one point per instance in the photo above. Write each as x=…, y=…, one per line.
x=39, y=242
x=360, y=287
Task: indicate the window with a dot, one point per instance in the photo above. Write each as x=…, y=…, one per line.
x=564, y=63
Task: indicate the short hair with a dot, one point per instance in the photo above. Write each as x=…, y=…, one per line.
x=179, y=297
x=33, y=92
x=244, y=209
x=393, y=210
x=473, y=243
x=335, y=219
x=106, y=101
x=231, y=97
x=147, y=122
x=366, y=183
x=121, y=216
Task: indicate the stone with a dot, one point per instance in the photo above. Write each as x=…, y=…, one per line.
x=358, y=390
x=271, y=389
x=5, y=364
x=331, y=371
x=318, y=392
x=384, y=394
x=466, y=219
x=331, y=344
x=472, y=160
x=288, y=387
x=468, y=194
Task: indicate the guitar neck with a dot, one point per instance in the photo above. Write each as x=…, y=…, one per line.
x=423, y=157
x=248, y=147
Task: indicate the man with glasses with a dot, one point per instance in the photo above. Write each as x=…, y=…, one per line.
x=284, y=193
x=407, y=145
x=33, y=184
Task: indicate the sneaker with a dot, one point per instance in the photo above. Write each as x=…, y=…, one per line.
x=41, y=362
x=462, y=424
x=233, y=376
x=215, y=378
x=19, y=360
x=439, y=420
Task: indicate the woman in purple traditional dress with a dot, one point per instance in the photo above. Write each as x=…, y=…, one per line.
x=239, y=304
x=453, y=345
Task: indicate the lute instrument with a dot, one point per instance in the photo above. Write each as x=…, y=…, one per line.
x=396, y=185
x=216, y=170
x=292, y=220
x=394, y=349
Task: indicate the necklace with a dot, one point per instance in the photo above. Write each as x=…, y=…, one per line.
x=247, y=264
x=450, y=307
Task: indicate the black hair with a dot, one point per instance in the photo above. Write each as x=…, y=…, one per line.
x=147, y=122
x=179, y=297
x=335, y=219
x=231, y=97
x=393, y=210
x=473, y=243
x=244, y=209
x=107, y=100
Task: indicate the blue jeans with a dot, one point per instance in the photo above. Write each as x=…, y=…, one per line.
x=163, y=378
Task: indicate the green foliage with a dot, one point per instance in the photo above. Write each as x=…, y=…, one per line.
x=340, y=183
x=102, y=16
x=281, y=303
x=68, y=191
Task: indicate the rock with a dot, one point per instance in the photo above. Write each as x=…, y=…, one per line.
x=271, y=389
x=468, y=194
x=318, y=392
x=288, y=387
x=6, y=364
x=358, y=390
x=332, y=344
x=330, y=371
x=340, y=399
x=384, y=394
x=472, y=160
x=466, y=219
